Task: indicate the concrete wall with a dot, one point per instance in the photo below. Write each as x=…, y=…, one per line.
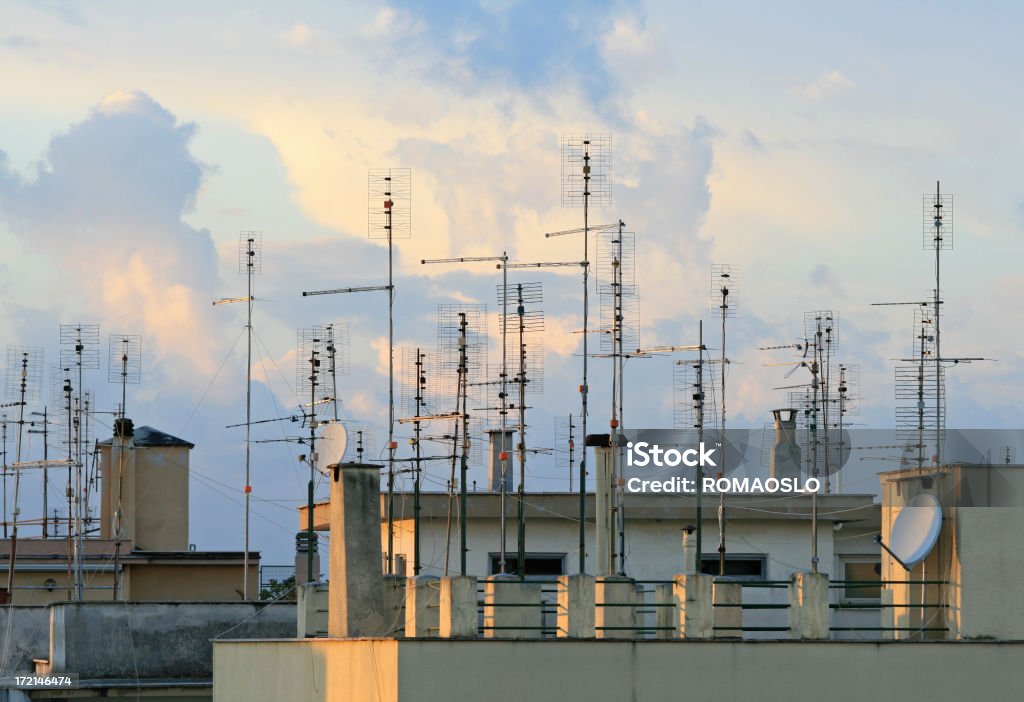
x=154, y=640
x=650, y=671
x=30, y=637
x=318, y=669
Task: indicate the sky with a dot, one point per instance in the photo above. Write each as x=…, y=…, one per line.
x=794, y=141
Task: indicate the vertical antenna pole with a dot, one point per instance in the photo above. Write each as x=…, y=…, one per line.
x=249, y=261
x=815, y=372
x=119, y=435
x=46, y=470
x=79, y=594
x=584, y=390
x=503, y=455
x=521, y=541
x=463, y=394
x=420, y=384
x=391, y=390
x=17, y=481
x=5, y=474
x=938, y=346
x=313, y=365
x=68, y=491
x=721, y=495
x=700, y=439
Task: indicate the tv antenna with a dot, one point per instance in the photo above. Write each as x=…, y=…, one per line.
x=336, y=344
x=79, y=351
x=310, y=345
x=415, y=402
x=389, y=217
x=583, y=387
x=503, y=378
x=124, y=366
x=691, y=383
x=462, y=354
x=586, y=180
x=250, y=263
x=566, y=436
x=24, y=371
x=725, y=302
x=529, y=324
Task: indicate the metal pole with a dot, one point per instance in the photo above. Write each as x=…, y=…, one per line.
x=700, y=438
x=721, y=495
x=46, y=470
x=250, y=260
x=391, y=397
x=463, y=392
x=815, y=370
x=420, y=382
x=938, y=347
x=521, y=542
x=503, y=455
x=68, y=491
x=313, y=365
x=583, y=388
x=17, y=481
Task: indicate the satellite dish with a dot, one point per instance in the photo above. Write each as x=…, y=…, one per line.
x=916, y=529
x=332, y=446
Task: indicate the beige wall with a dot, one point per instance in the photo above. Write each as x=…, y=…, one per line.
x=499, y=671
x=157, y=582
x=155, y=498
x=318, y=669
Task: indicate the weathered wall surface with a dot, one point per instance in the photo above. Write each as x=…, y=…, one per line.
x=155, y=640
x=650, y=671
x=29, y=637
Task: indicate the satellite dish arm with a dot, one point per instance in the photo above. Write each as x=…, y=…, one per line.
x=878, y=540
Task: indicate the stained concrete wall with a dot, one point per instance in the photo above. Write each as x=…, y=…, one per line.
x=30, y=637
x=649, y=671
x=155, y=640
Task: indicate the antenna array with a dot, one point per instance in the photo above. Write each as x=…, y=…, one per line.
x=586, y=169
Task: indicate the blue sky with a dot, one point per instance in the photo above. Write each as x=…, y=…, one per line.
x=794, y=140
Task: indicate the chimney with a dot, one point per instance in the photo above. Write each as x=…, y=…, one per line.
x=604, y=502
x=497, y=448
x=356, y=593
x=785, y=461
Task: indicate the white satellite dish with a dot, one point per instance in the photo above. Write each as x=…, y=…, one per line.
x=332, y=446
x=916, y=529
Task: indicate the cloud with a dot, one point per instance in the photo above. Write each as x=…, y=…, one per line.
x=822, y=277
x=103, y=212
x=302, y=36
x=828, y=84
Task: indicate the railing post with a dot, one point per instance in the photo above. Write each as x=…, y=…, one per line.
x=665, y=614
x=457, y=613
x=615, y=601
x=728, y=600
x=576, y=606
x=422, y=606
x=692, y=595
x=808, y=606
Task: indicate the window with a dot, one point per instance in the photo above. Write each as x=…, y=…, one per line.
x=860, y=575
x=740, y=565
x=537, y=564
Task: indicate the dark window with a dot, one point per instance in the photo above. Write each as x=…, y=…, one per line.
x=737, y=566
x=860, y=577
x=537, y=564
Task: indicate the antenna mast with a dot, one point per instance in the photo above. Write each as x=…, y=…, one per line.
x=28, y=362
x=250, y=263
x=586, y=180
x=124, y=366
x=79, y=348
x=389, y=205
x=723, y=298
